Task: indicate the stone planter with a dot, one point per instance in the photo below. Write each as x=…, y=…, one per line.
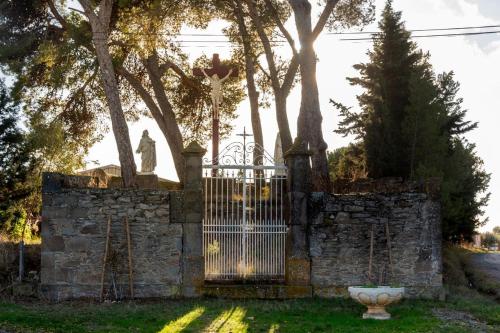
x=376, y=299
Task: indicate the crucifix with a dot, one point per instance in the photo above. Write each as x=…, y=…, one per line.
x=217, y=75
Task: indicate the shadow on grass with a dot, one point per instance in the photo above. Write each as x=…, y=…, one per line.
x=214, y=315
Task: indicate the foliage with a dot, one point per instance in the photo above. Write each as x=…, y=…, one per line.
x=496, y=230
x=411, y=125
x=489, y=239
x=347, y=162
x=43, y=145
x=14, y=166
x=56, y=67
x=13, y=157
x=152, y=26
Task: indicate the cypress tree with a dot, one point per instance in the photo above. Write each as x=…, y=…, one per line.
x=411, y=125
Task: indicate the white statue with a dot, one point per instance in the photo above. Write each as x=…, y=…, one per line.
x=147, y=148
x=216, y=92
x=279, y=160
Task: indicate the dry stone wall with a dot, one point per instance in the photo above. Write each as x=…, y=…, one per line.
x=328, y=242
x=340, y=234
x=74, y=224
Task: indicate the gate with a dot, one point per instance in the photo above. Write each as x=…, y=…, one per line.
x=244, y=226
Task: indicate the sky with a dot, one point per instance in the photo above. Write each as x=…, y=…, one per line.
x=474, y=59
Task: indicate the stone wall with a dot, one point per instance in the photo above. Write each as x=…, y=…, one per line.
x=327, y=248
x=340, y=234
x=74, y=224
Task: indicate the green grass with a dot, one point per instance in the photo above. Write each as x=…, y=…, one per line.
x=214, y=315
x=302, y=316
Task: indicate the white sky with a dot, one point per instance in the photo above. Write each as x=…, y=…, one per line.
x=474, y=59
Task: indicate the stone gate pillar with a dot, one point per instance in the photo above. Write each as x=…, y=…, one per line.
x=298, y=264
x=193, y=274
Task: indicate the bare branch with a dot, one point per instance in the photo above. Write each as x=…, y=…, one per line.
x=57, y=15
x=280, y=25
x=82, y=88
x=76, y=10
x=263, y=70
x=139, y=88
x=186, y=80
x=327, y=11
x=273, y=72
x=89, y=12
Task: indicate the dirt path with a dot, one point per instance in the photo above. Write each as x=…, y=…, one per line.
x=489, y=263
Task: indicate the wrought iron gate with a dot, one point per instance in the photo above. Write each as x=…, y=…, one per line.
x=244, y=225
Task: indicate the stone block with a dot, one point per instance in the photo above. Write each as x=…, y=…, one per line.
x=352, y=208
x=48, y=267
x=77, y=244
x=90, y=229
x=53, y=244
x=25, y=289
x=298, y=271
x=176, y=207
x=54, y=212
x=331, y=292
x=343, y=218
x=78, y=212
x=147, y=181
x=192, y=239
x=193, y=271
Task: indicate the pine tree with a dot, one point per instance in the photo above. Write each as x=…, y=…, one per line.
x=14, y=164
x=13, y=160
x=386, y=80
x=411, y=125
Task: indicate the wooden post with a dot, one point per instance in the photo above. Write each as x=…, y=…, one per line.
x=388, y=236
x=106, y=249
x=129, y=246
x=370, y=263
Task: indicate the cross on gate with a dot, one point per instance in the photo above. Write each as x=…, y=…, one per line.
x=222, y=72
x=244, y=135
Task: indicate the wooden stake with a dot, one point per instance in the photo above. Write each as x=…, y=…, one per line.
x=106, y=249
x=130, y=272
x=370, y=263
x=388, y=236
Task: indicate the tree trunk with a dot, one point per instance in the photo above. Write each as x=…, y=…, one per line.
x=280, y=91
x=282, y=120
x=253, y=94
x=99, y=22
x=118, y=122
x=167, y=122
x=310, y=119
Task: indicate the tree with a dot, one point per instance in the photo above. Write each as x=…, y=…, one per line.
x=44, y=145
x=496, y=230
x=347, y=162
x=242, y=34
x=309, y=125
x=150, y=66
x=14, y=160
x=100, y=23
x=281, y=76
x=411, y=125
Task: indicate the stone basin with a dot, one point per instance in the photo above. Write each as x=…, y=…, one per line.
x=376, y=299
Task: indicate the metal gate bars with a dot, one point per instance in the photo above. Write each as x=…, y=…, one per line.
x=244, y=225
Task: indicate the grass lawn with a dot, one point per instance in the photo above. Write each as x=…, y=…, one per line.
x=215, y=315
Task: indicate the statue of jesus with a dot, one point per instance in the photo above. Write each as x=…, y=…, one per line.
x=216, y=92
x=147, y=148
